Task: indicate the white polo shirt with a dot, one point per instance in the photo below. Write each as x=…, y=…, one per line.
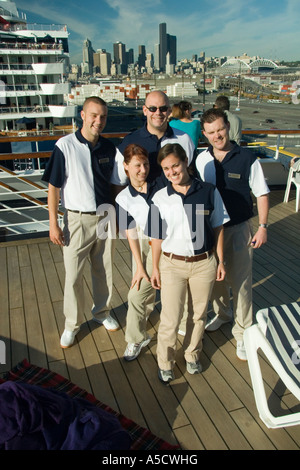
x=82, y=172
x=187, y=220
x=132, y=207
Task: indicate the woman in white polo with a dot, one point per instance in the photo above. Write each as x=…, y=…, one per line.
x=188, y=258
x=132, y=207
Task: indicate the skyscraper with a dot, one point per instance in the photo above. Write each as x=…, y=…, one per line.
x=87, y=57
x=162, y=45
x=167, y=45
x=142, y=56
x=120, y=56
x=102, y=62
x=172, y=48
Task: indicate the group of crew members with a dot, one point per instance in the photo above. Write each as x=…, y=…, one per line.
x=187, y=217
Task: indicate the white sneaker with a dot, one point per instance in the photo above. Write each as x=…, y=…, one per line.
x=215, y=323
x=166, y=376
x=241, y=351
x=193, y=367
x=181, y=332
x=133, y=349
x=68, y=337
x=109, y=323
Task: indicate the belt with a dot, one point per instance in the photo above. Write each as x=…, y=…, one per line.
x=80, y=212
x=189, y=259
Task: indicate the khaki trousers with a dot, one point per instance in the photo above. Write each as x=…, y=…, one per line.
x=238, y=255
x=140, y=302
x=177, y=279
x=81, y=242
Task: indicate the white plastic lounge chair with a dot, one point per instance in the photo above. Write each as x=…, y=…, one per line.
x=277, y=334
x=293, y=177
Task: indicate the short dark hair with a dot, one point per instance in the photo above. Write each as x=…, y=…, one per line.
x=222, y=102
x=168, y=149
x=94, y=99
x=212, y=114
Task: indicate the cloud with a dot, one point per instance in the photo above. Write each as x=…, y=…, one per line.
x=60, y=14
x=224, y=27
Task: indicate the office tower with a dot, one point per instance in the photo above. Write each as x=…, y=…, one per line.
x=162, y=45
x=167, y=44
x=130, y=57
x=156, y=56
x=172, y=48
x=149, y=63
x=119, y=53
x=142, y=56
x=102, y=62
x=149, y=60
x=120, y=56
x=96, y=60
x=105, y=63
x=170, y=68
x=87, y=57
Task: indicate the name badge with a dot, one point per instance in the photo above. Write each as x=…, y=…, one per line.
x=234, y=175
x=202, y=212
x=104, y=160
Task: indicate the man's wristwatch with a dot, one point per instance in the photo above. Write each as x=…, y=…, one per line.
x=263, y=225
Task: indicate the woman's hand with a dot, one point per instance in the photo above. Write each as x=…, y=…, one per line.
x=221, y=272
x=155, y=279
x=137, y=278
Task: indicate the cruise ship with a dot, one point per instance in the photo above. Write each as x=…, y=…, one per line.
x=33, y=65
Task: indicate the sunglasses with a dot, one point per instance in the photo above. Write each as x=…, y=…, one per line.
x=153, y=109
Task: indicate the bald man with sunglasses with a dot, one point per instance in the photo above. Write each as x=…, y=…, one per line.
x=153, y=135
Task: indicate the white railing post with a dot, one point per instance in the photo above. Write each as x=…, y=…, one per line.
x=277, y=147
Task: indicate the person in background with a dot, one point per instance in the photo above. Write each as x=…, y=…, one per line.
x=235, y=130
x=237, y=174
x=132, y=207
x=182, y=120
x=79, y=172
x=187, y=259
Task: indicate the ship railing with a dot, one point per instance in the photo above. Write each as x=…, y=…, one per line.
x=278, y=140
x=6, y=66
x=272, y=139
x=22, y=218
x=31, y=45
x=24, y=109
x=24, y=87
x=26, y=66
x=38, y=27
x=30, y=213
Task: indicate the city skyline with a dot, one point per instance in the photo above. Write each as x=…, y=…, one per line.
x=268, y=29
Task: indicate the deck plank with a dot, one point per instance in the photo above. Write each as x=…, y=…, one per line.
x=215, y=410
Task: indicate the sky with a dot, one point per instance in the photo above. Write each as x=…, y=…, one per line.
x=265, y=28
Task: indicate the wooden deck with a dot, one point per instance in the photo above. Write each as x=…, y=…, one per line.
x=214, y=410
